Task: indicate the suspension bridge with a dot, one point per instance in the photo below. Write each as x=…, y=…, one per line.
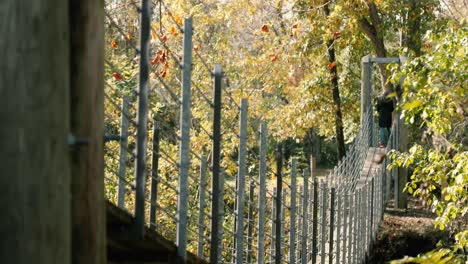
x=191, y=171
x=167, y=208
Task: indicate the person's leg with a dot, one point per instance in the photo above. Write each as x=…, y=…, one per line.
x=382, y=137
x=388, y=135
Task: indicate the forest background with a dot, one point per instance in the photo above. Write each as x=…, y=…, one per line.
x=300, y=61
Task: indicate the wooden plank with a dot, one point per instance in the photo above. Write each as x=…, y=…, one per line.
x=34, y=105
x=123, y=248
x=371, y=165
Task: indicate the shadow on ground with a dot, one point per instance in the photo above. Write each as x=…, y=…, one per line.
x=405, y=233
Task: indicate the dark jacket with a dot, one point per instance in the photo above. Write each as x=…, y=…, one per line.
x=385, y=109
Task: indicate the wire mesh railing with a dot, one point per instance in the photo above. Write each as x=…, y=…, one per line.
x=186, y=158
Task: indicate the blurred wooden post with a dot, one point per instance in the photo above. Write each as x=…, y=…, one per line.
x=366, y=86
x=87, y=122
x=402, y=144
x=35, y=176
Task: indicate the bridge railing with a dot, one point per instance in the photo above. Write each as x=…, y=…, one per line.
x=170, y=159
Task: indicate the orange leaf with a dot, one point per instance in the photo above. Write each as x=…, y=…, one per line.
x=117, y=76
x=295, y=26
x=173, y=31
x=155, y=60
x=196, y=48
x=164, y=38
x=177, y=19
x=275, y=58
x=128, y=36
x=332, y=65
x=336, y=34
x=163, y=73
x=265, y=29
x=163, y=56
x=114, y=44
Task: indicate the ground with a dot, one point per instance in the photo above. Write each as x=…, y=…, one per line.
x=406, y=233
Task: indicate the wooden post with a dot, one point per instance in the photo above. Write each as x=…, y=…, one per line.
x=365, y=87
x=87, y=122
x=402, y=144
x=34, y=118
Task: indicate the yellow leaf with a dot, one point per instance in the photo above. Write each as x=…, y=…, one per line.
x=412, y=105
x=177, y=19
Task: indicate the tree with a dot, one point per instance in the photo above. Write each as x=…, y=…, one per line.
x=335, y=89
x=435, y=98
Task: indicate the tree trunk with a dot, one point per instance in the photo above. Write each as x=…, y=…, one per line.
x=336, y=94
x=34, y=154
x=87, y=115
x=372, y=30
x=411, y=37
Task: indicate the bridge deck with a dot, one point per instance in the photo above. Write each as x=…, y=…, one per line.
x=371, y=165
x=153, y=249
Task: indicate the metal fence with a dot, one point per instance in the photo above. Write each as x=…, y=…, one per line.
x=224, y=211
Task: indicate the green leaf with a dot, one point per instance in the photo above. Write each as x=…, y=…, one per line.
x=412, y=104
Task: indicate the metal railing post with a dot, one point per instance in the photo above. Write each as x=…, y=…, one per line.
x=262, y=194
x=292, y=215
x=300, y=231
x=305, y=219
x=363, y=223
x=356, y=225
x=279, y=190
x=142, y=133
x=372, y=213
x=332, y=225
x=351, y=233
x=365, y=87
x=221, y=215
x=396, y=177
x=250, y=221
x=216, y=175
x=184, y=150
x=154, y=172
x=123, y=152
x=201, y=199
x=345, y=225
x=315, y=222
x=239, y=234
x=283, y=223
x=273, y=226
x=338, y=227
x=323, y=219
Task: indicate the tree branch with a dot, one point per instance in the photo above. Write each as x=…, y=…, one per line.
x=374, y=15
x=367, y=28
